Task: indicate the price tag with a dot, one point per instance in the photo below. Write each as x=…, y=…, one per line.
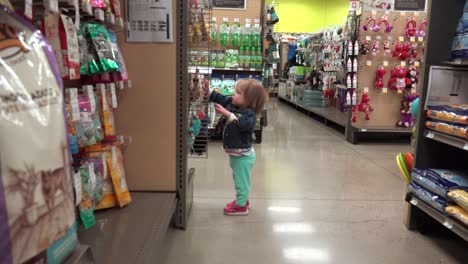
x=102, y=89
x=257, y=21
x=92, y=176
x=51, y=5
x=414, y=202
x=369, y=63
x=390, y=38
x=99, y=14
x=421, y=39
x=130, y=85
x=401, y=38
x=78, y=187
x=110, y=18
x=413, y=39
x=403, y=13
x=92, y=99
x=28, y=9
x=368, y=38
x=366, y=90
x=363, y=130
x=385, y=90
x=448, y=224
x=236, y=20
x=430, y=135
x=75, y=105
x=400, y=91
x=214, y=19
x=417, y=64
x=225, y=19
x=120, y=85
x=387, y=12
x=403, y=63
x=248, y=21
x=385, y=63
x=113, y=95
x=252, y=69
x=413, y=90
x=104, y=166
x=87, y=8
x=378, y=37
x=374, y=12
x=416, y=14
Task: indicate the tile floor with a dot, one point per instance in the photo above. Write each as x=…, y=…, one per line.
x=315, y=199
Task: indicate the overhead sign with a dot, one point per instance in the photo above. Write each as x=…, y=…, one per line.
x=230, y=4
x=410, y=5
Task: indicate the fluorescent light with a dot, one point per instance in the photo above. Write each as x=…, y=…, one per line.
x=306, y=254
x=293, y=228
x=283, y=209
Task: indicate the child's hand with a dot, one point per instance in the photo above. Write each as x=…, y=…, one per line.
x=220, y=109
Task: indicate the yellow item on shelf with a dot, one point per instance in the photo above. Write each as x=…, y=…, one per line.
x=458, y=213
x=458, y=131
x=448, y=117
x=460, y=197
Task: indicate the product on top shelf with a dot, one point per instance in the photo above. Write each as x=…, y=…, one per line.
x=107, y=115
x=98, y=37
x=456, y=114
x=35, y=172
x=235, y=34
x=70, y=49
x=458, y=213
x=460, y=197
x=451, y=129
x=214, y=30
x=121, y=74
x=246, y=35
x=440, y=182
x=225, y=31
x=437, y=202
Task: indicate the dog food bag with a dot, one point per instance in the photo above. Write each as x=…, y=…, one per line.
x=86, y=206
x=102, y=46
x=70, y=49
x=36, y=196
x=458, y=213
x=115, y=163
x=460, y=197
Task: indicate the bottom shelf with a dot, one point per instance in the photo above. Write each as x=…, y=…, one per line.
x=452, y=224
x=133, y=234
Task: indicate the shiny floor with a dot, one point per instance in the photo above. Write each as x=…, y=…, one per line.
x=315, y=199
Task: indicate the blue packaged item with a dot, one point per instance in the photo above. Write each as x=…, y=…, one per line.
x=292, y=52
x=433, y=200
x=440, y=182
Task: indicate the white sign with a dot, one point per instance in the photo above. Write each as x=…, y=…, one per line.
x=149, y=21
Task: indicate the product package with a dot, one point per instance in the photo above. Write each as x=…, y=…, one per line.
x=451, y=129
x=85, y=128
x=225, y=31
x=214, y=30
x=433, y=200
x=86, y=206
x=121, y=74
x=460, y=42
x=102, y=47
x=458, y=213
x=440, y=182
x=108, y=199
x=235, y=34
x=455, y=114
x=70, y=49
x=35, y=181
x=107, y=115
x=460, y=197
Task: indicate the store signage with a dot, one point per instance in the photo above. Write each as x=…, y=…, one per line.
x=230, y=4
x=410, y=5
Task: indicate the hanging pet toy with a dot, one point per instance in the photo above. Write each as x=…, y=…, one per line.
x=375, y=27
x=386, y=47
x=375, y=47
x=413, y=54
x=407, y=119
x=365, y=47
x=401, y=51
x=422, y=28
x=384, y=20
x=411, y=28
x=364, y=106
x=398, y=80
x=379, y=83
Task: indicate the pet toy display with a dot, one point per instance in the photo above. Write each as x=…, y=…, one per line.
x=363, y=106
x=411, y=28
x=379, y=82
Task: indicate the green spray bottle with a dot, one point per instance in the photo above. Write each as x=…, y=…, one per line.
x=241, y=57
x=224, y=30
x=235, y=33
x=247, y=58
x=214, y=30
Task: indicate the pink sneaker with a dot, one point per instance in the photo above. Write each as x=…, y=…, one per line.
x=234, y=209
x=234, y=202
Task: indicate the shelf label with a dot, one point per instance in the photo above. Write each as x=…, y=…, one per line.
x=368, y=38
x=421, y=39
x=448, y=223
x=374, y=12
x=385, y=63
x=369, y=63
x=413, y=39
x=378, y=37
x=236, y=20
x=414, y=202
x=401, y=38
x=413, y=90
x=400, y=91
x=366, y=90
x=466, y=146
x=225, y=19
x=430, y=135
x=417, y=64
x=403, y=63
x=257, y=21
x=363, y=130
x=385, y=90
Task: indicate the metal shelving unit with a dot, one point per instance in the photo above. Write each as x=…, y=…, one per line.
x=435, y=149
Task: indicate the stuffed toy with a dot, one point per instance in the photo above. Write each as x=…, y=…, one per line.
x=413, y=53
x=363, y=106
x=422, y=28
x=401, y=51
x=365, y=47
x=407, y=119
x=411, y=30
x=398, y=79
x=412, y=76
x=375, y=47
x=379, y=83
x=386, y=47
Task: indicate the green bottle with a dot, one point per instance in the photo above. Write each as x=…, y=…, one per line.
x=247, y=57
x=241, y=57
x=259, y=58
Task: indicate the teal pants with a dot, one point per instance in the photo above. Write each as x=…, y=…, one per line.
x=242, y=171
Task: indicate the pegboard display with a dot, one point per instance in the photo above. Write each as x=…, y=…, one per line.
x=386, y=102
x=252, y=12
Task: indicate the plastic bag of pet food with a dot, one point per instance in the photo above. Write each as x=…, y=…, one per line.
x=72, y=112
x=70, y=49
x=440, y=182
x=35, y=182
x=101, y=45
x=107, y=115
x=108, y=199
x=85, y=129
x=86, y=207
x=458, y=213
x=122, y=74
x=83, y=51
x=460, y=197
x=432, y=199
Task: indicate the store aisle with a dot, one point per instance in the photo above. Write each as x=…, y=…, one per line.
x=315, y=199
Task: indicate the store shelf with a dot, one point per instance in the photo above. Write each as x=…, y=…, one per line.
x=447, y=139
x=384, y=129
x=210, y=70
x=452, y=224
x=132, y=234
x=81, y=254
x=329, y=113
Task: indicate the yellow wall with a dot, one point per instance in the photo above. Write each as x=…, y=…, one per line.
x=310, y=15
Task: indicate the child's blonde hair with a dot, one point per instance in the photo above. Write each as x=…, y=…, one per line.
x=254, y=94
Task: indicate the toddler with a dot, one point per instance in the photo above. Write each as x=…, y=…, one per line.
x=241, y=112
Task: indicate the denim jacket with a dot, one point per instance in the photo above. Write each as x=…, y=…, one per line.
x=238, y=133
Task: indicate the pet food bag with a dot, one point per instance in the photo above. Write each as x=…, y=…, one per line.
x=36, y=197
x=454, y=130
x=458, y=213
x=440, y=182
x=460, y=197
x=432, y=199
x=455, y=114
x=108, y=199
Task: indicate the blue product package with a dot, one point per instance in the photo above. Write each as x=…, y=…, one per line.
x=433, y=200
x=440, y=182
x=460, y=46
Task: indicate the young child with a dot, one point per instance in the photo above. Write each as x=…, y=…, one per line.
x=241, y=112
